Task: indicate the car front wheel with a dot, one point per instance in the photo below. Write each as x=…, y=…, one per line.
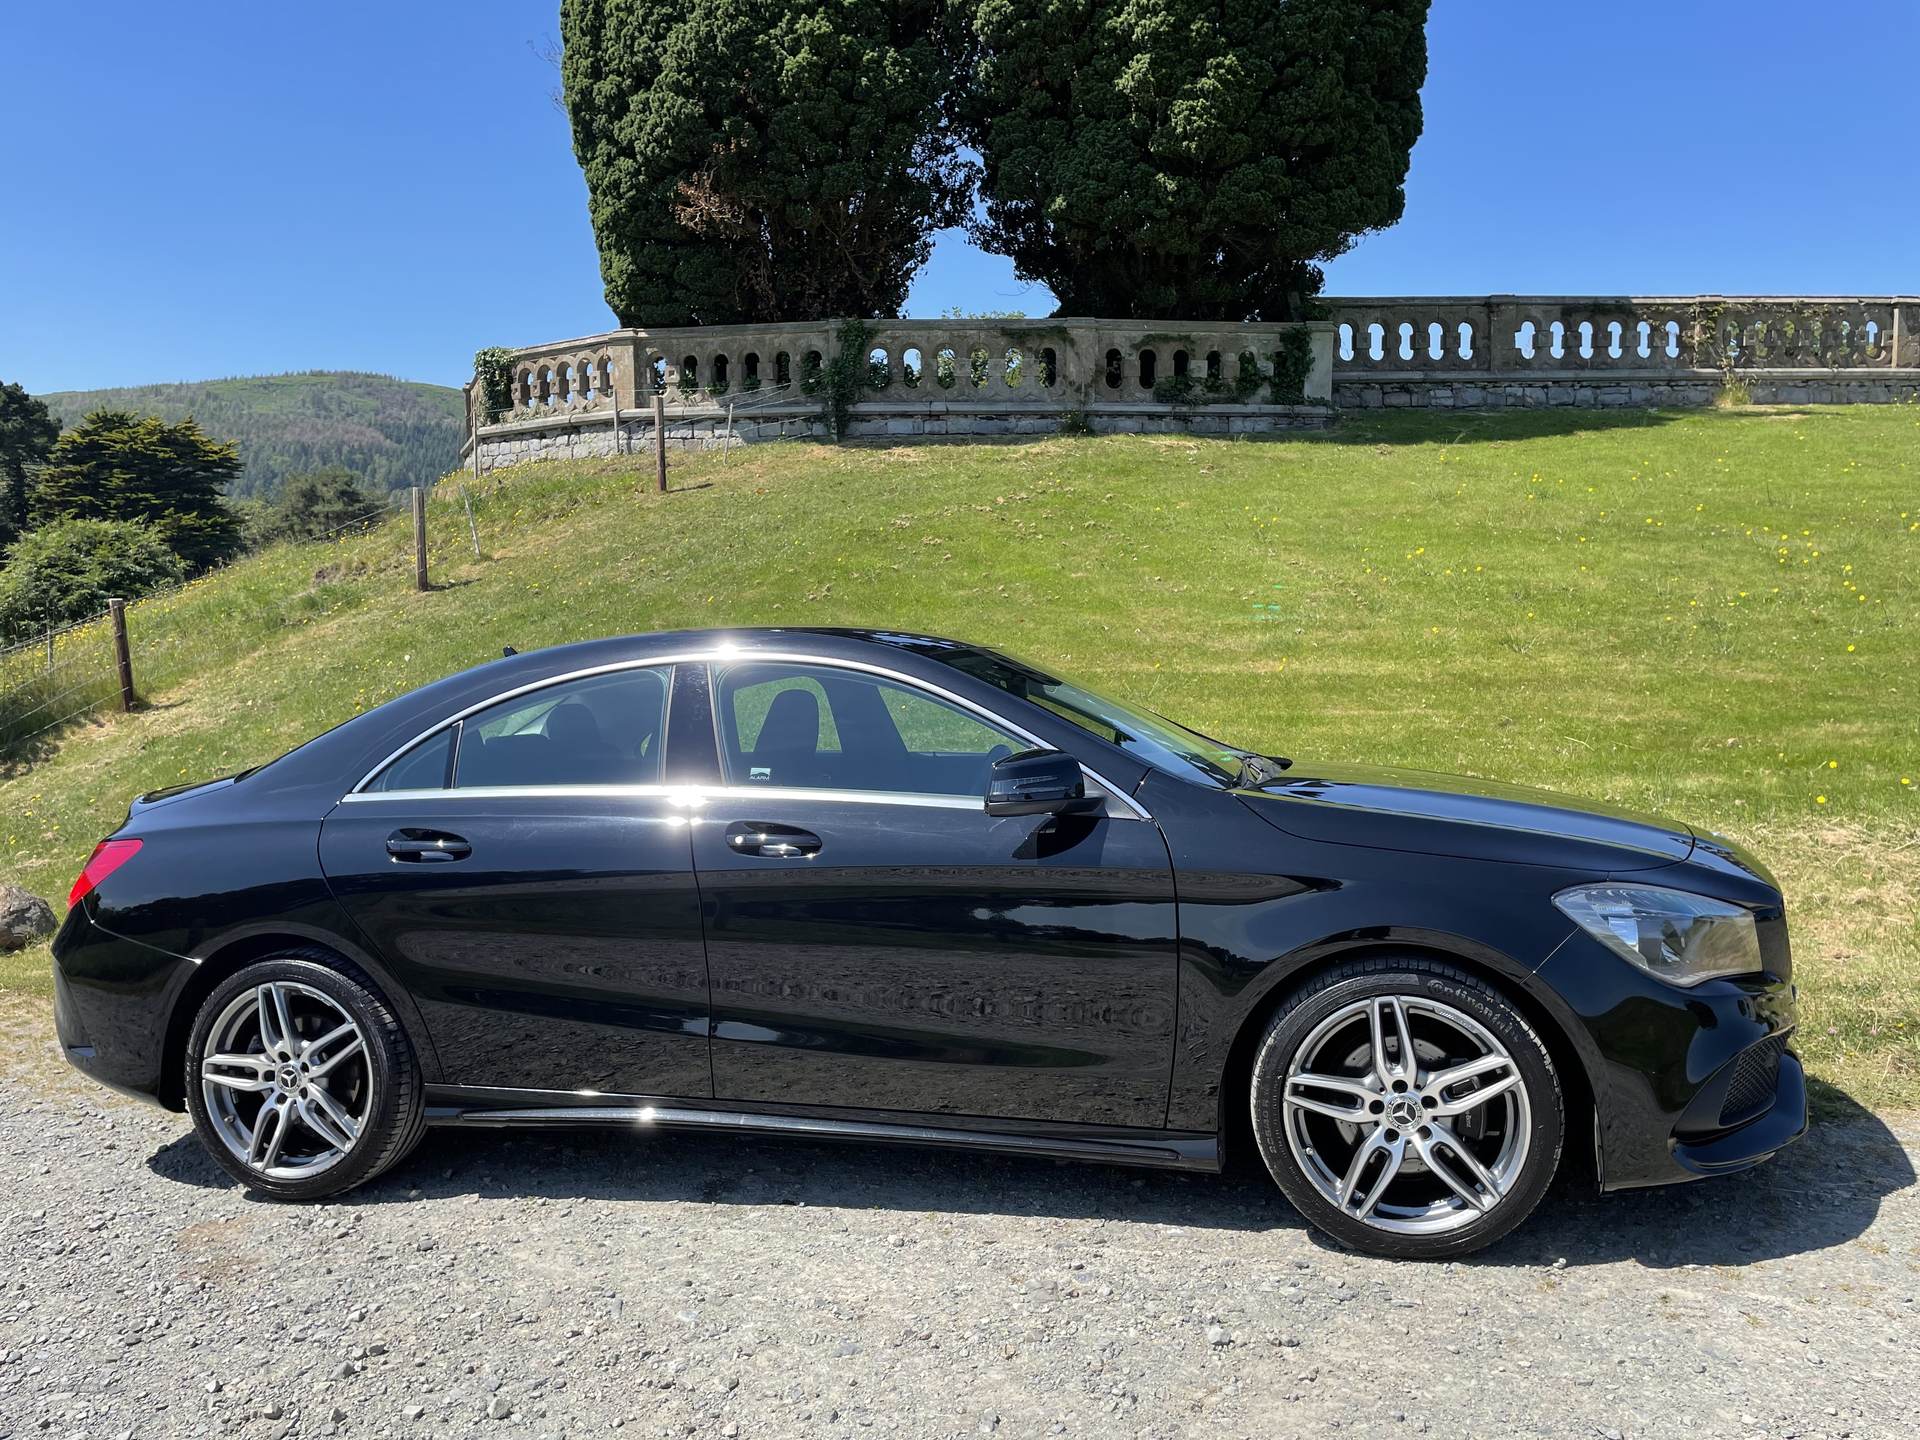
x=300, y=1079
x=1407, y=1108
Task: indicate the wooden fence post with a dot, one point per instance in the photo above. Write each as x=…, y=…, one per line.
x=122, y=655
x=660, y=439
x=419, y=537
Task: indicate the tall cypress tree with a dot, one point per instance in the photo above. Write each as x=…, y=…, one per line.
x=761, y=159
x=116, y=466
x=1190, y=158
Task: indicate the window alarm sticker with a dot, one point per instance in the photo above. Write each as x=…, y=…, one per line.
x=760, y=772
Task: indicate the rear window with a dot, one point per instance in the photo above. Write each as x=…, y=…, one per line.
x=428, y=766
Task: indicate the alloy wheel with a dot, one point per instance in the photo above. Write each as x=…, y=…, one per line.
x=286, y=1080
x=1407, y=1114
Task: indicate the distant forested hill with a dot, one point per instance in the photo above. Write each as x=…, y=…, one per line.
x=393, y=432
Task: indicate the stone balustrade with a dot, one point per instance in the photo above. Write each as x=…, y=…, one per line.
x=917, y=378
x=720, y=383
x=1492, y=350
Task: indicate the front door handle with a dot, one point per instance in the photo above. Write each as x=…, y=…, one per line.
x=427, y=846
x=770, y=840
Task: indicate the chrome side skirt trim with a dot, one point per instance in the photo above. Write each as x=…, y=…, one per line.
x=1177, y=1151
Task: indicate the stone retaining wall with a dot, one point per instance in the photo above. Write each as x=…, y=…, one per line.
x=703, y=428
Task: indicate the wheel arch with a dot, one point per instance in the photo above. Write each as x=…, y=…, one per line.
x=1512, y=981
x=237, y=952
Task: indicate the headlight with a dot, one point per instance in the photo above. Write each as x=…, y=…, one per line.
x=1673, y=936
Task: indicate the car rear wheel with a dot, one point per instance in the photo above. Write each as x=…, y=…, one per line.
x=300, y=1079
x=1407, y=1108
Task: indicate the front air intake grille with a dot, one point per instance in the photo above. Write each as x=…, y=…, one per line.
x=1756, y=1075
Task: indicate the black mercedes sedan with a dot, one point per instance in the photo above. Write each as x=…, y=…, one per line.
x=888, y=887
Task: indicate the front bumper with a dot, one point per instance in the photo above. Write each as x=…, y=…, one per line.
x=1782, y=1121
x=1686, y=1083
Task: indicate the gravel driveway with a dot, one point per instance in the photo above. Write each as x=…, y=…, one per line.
x=514, y=1284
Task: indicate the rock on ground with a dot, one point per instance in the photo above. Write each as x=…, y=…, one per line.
x=25, y=919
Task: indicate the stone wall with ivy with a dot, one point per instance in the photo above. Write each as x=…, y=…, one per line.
x=892, y=379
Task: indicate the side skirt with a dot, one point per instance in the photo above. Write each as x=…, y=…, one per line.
x=461, y=1106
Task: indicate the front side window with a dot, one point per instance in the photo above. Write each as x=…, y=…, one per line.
x=817, y=727
x=1154, y=739
x=598, y=730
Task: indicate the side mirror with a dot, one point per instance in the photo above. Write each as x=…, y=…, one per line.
x=1037, y=782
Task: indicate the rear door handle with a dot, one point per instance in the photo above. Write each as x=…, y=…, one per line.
x=427, y=846
x=771, y=840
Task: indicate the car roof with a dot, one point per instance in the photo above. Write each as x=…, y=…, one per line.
x=752, y=637
x=349, y=749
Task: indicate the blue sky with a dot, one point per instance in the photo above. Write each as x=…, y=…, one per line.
x=235, y=188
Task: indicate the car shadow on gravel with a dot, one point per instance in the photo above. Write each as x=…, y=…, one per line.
x=1820, y=1193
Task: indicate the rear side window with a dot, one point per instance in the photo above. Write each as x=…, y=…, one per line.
x=598, y=730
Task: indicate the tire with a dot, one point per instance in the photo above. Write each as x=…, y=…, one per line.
x=349, y=1108
x=1445, y=1172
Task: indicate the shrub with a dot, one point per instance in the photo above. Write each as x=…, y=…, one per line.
x=118, y=466
x=69, y=570
x=323, y=504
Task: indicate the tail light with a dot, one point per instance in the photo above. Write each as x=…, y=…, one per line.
x=108, y=856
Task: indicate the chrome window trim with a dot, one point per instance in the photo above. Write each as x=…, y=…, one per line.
x=1135, y=811
x=518, y=792
x=686, y=797
x=925, y=799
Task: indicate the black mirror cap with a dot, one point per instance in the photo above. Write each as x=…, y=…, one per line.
x=1037, y=782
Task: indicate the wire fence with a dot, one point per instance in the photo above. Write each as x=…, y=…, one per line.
x=186, y=632
x=47, y=682
x=72, y=670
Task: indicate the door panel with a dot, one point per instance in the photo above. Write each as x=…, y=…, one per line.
x=523, y=873
x=926, y=956
x=563, y=952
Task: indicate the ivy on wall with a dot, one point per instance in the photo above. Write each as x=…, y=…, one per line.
x=1292, y=364
x=493, y=368
x=847, y=374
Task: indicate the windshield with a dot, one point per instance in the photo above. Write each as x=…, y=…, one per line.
x=1158, y=741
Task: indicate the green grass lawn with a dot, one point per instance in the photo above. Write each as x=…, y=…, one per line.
x=1715, y=615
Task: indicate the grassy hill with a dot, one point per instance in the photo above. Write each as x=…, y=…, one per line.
x=1714, y=615
x=394, y=432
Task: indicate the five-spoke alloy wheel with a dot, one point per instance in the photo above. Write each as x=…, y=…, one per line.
x=1407, y=1107
x=300, y=1079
